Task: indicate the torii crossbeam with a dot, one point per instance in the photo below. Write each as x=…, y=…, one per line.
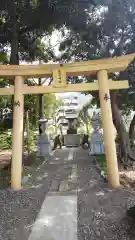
x=59, y=73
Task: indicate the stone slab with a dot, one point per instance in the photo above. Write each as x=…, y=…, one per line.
x=54, y=186
x=63, y=186
x=57, y=219
x=43, y=146
x=72, y=140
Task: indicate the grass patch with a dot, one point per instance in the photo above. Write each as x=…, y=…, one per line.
x=101, y=159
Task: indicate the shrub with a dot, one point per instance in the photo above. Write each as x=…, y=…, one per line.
x=5, y=141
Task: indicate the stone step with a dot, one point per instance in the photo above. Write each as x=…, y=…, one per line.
x=63, y=186
x=54, y=185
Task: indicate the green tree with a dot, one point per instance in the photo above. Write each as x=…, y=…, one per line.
x=84, y=116
x=109, y=32
x=23, y=23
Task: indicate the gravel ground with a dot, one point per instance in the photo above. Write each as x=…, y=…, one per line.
x=101, y=209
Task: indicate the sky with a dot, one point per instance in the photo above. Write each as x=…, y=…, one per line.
x=55, y=41
x=82, y=99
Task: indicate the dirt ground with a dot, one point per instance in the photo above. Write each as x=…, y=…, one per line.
x=127, y=179
x=5, y=157
x=127, y=176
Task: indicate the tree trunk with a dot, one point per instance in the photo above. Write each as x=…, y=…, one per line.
x=14, y=58
x=28, y=131
x=24, y=125
x=122, y=133
x=132, y=129
x=41, y=102
x=87, y=128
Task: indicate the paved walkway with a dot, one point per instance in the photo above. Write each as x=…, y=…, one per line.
x=67, y=200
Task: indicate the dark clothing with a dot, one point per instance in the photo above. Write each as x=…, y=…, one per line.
x=57, y=142
x=72, y=131
x=85, y=140
x=40, y=129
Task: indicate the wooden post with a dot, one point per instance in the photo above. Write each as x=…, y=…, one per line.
x=16, y=169
x=108, y=129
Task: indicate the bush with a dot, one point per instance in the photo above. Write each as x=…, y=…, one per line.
x=32, y=142
x=5, y=141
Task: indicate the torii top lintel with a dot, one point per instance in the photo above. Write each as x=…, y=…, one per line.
x=115, y=64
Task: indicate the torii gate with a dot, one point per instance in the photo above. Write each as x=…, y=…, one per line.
x=59, y=72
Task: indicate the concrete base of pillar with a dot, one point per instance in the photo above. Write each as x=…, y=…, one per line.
x=97, y=149
x=43, y=146
x=96, y=144
x=72, y=140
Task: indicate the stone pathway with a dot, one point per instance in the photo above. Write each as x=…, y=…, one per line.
x=66, y=200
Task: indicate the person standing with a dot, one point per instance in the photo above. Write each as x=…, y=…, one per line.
x=57, y=142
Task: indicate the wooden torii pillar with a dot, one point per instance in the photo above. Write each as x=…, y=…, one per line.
x=108, y=129
x=59, y=73
x=17, y=134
